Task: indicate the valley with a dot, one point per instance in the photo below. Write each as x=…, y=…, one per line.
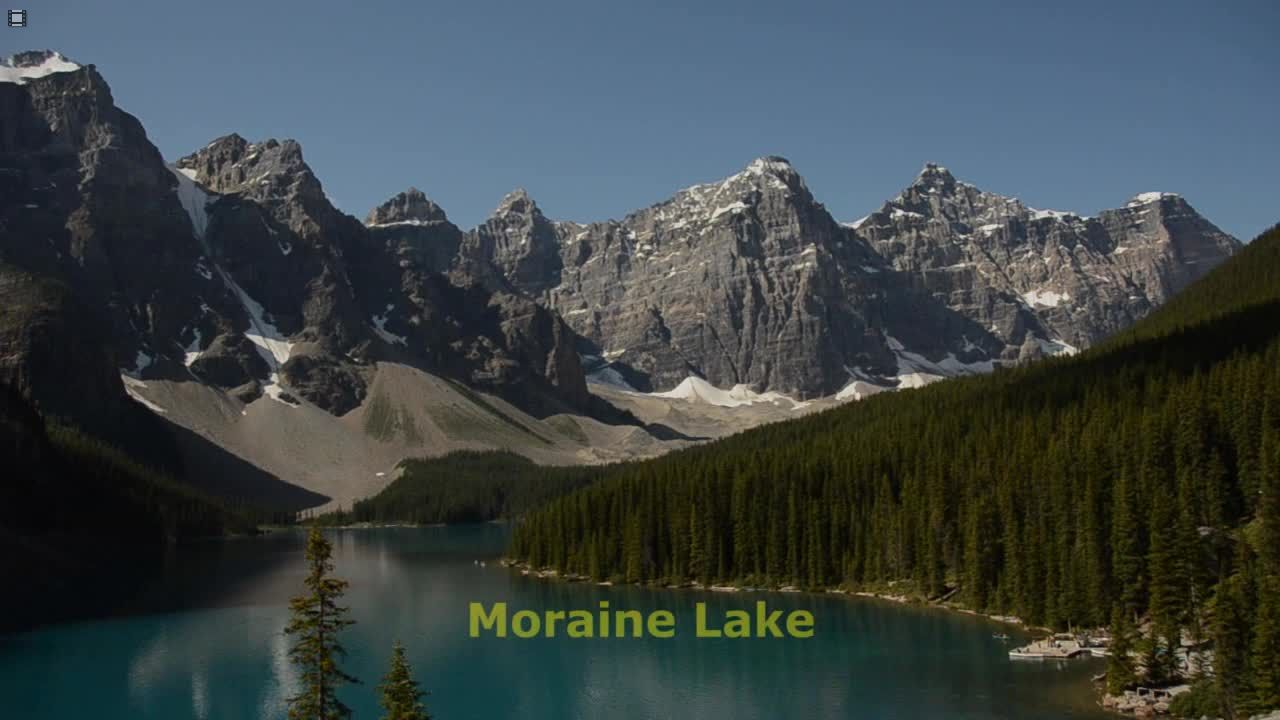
x=728, y=401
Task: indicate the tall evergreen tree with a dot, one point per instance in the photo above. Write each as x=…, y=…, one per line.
x=1231, y=642
x=1121, y=672
x=1264, y=656
x=317, y=620
x=400, y=696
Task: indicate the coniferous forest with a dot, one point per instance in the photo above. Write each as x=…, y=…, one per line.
x=465, y=486
x=1136, y=485
x=60, y=480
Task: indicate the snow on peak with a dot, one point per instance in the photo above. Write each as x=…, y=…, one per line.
x=935, y=176
x=770, y=163
x=856, y=223
x=35, y=64
x=516, y=201
x=1150, y=197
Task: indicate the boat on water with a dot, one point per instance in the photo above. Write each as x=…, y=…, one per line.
x=1000, y=636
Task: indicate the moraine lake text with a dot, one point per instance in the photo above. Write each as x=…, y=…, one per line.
x=495, y=620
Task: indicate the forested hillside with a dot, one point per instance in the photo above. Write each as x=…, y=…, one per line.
x=465, y=487
x=58, y=481
x=1137, y=483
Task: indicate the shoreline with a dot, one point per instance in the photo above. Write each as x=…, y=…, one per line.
x=898, y=599
x=1035, y=631
x=381, y=525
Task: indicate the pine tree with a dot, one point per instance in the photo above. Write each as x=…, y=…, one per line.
x=697, y=554
x=400, y=696
x=317, y=620
x=1265, y=651
x=1121, y=673
x=1264, y=655
x=1169, y=590
x=1230, y=639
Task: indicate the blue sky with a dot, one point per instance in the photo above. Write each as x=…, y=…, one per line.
x=602, y=107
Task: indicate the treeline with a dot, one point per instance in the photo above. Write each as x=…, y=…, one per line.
x=464, y=487
x=59, y=481
x=1139, y=482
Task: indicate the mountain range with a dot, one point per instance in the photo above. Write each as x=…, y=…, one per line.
x=227, y=294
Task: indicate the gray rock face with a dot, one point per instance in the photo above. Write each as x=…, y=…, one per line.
x=1041, y=280
x=279, y=245
x=746, y=281
x=410, y=207
x=750, y=281
x=428, y=288
x=96, y=254
x=231, y=268
x=341, y=293
x=520, y=242
x=415, y=231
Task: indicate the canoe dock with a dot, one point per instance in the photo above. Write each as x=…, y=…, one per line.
x=1062, y=646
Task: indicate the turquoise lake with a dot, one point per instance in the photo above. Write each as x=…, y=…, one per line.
x=202, y=639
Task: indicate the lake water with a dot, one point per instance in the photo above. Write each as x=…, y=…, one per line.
x=203, y=640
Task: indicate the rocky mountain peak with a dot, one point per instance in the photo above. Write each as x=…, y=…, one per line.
x=933, y=187
x=770, y=179
x=409, y=207
x=774, y=164
x=517, y=202
x=935, y=176
x=271, y=168
x=1047, y=280
x=770, y=172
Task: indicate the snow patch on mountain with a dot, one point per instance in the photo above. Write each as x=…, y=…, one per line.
x=607, y=375
x=15, y=68
x=141, y=362
x=1057, y=214
x=1056, y=347
x=695, y=389
x=915, y=370
x=191, y=352
x=272, y=345
x=859, y=389
x=1045, y=298
x=1149, y=197
x=734, y=207
x=380, y=327
x=193, y=199
x=422, y=223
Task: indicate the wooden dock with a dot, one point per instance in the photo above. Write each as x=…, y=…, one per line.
x=1058, y=647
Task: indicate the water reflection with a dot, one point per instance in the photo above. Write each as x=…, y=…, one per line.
x=206, y=642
